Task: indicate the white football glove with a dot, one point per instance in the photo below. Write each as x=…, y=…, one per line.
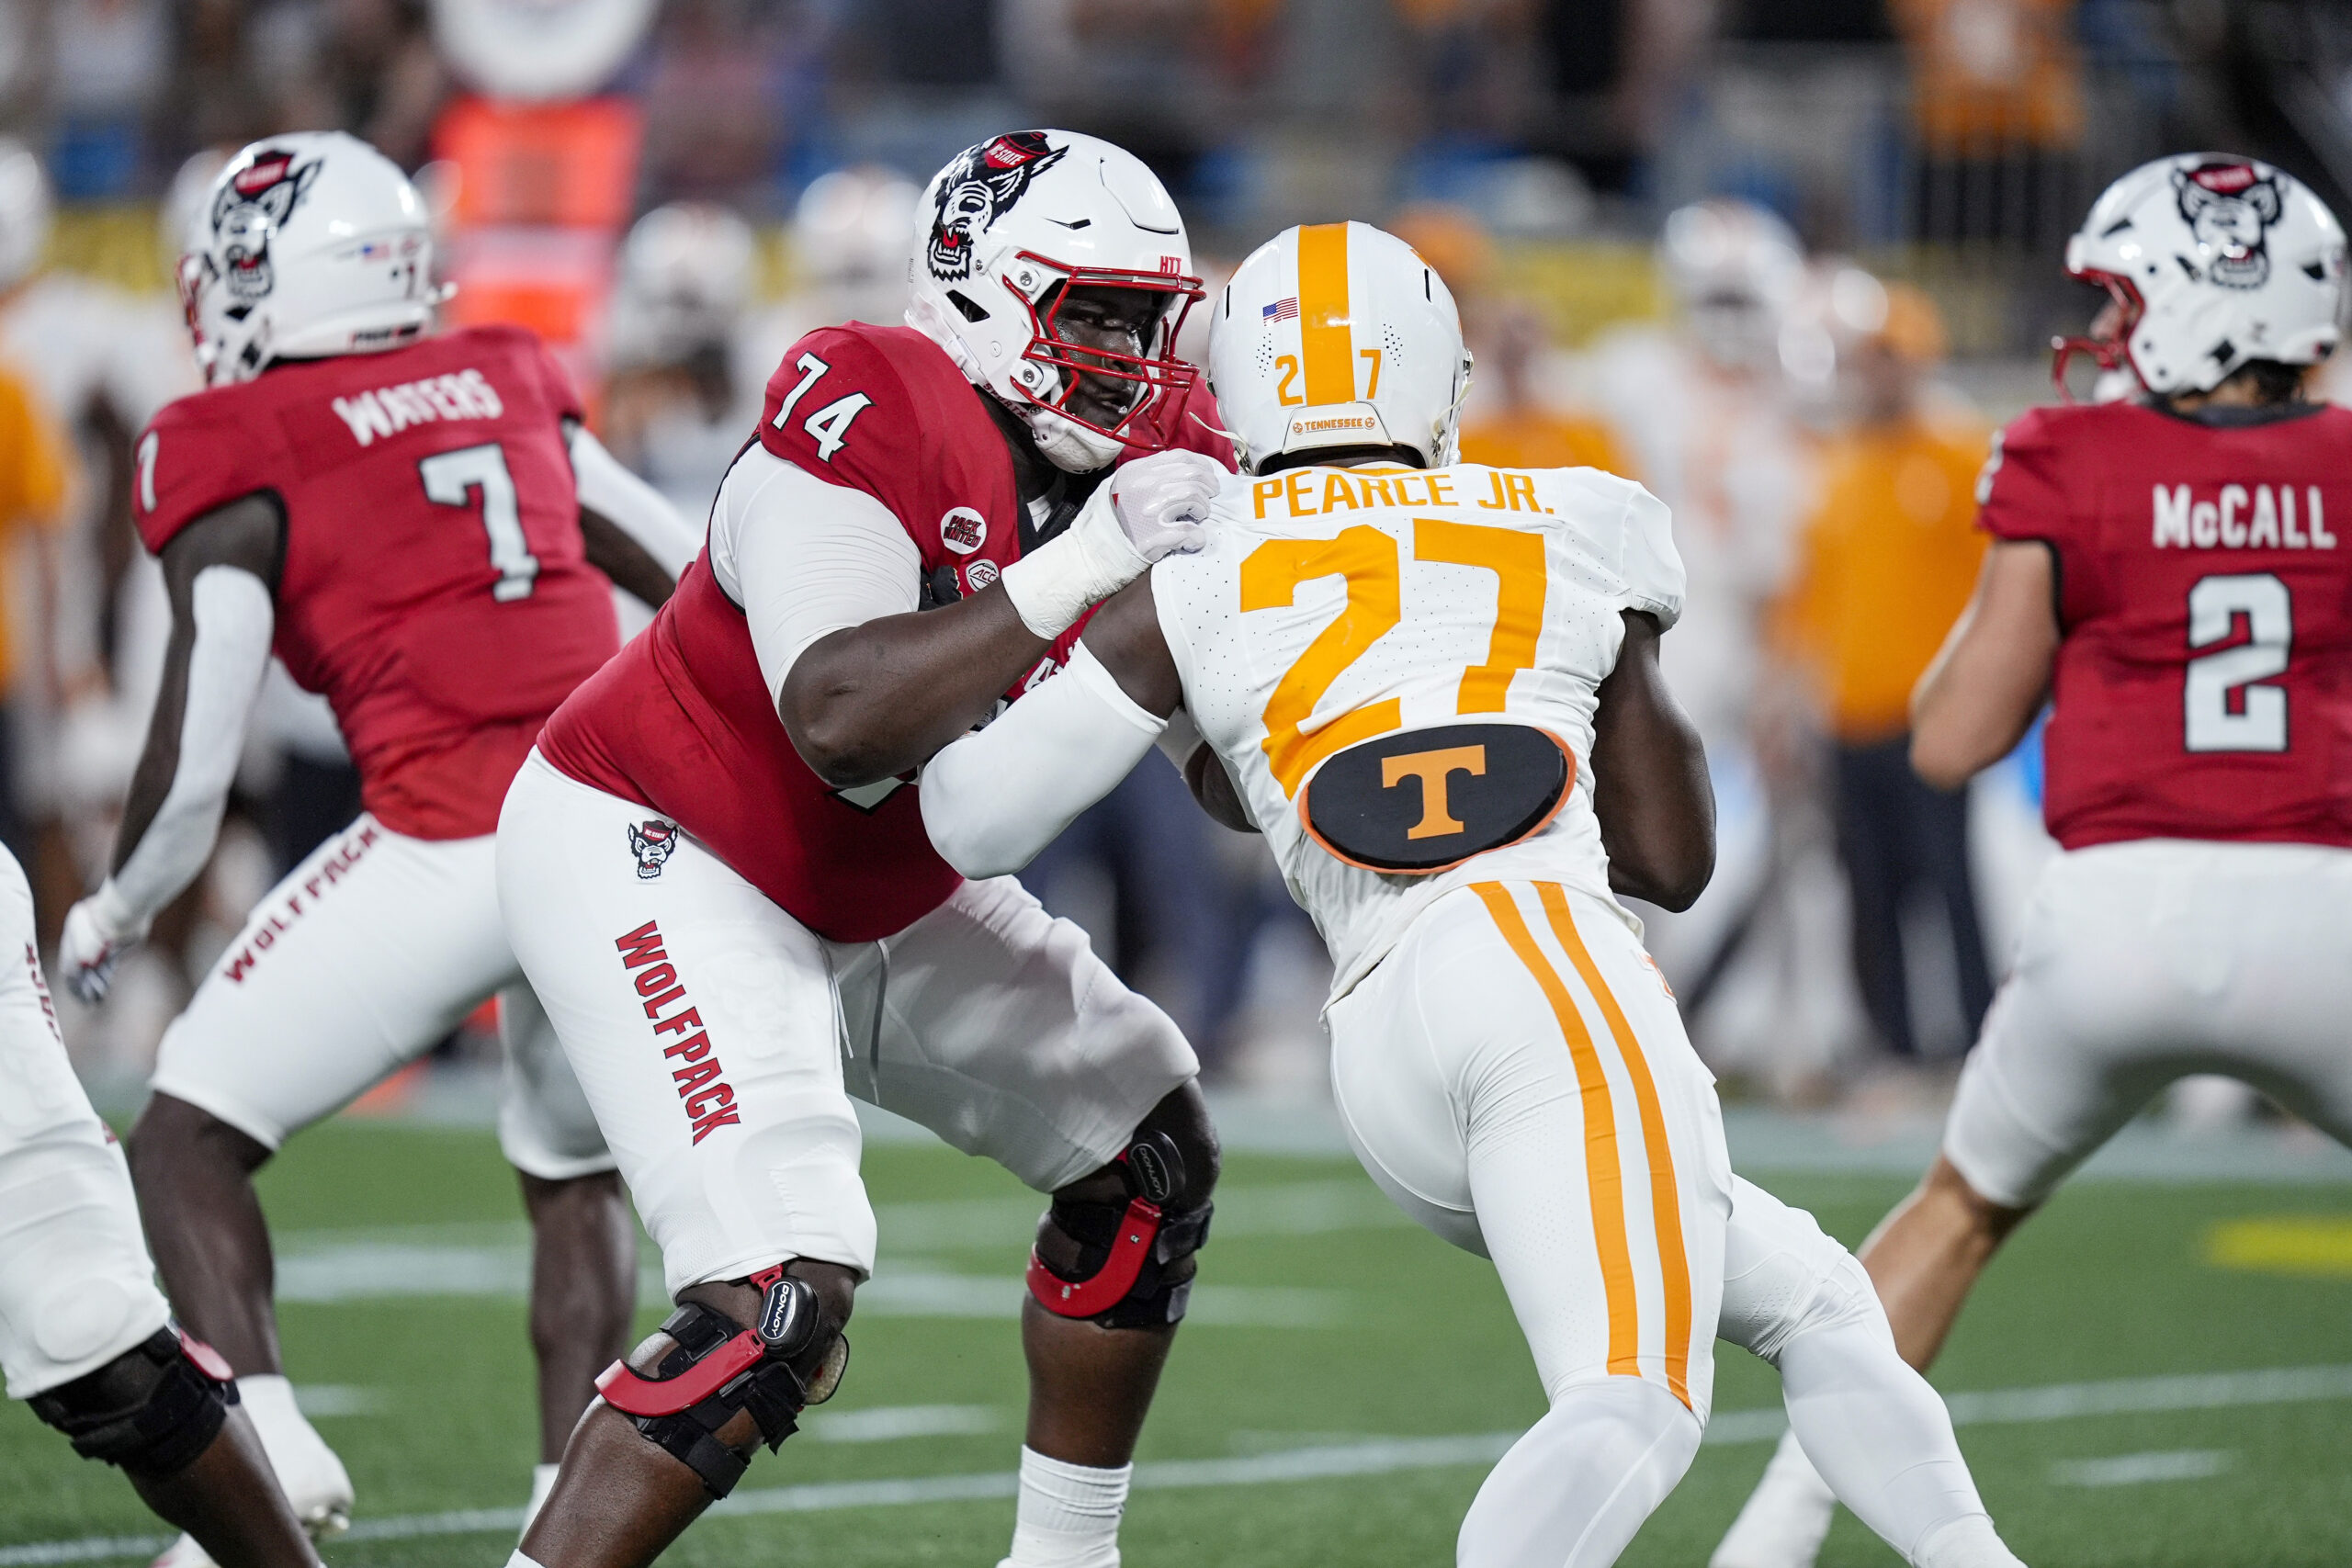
x=98, y=931
x=1152, y=507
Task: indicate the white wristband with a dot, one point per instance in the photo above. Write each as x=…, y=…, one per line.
x=1053, y=585
x=1181, y=740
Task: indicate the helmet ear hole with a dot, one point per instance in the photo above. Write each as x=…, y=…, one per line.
x=966, y=306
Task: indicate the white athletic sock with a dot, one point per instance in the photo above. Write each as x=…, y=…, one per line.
x=1785, y=1518
x=519, y=1561
x=312, y=1477
x=1970, y=1542
x=1571, y=1492
x=542, y=1483
x=1068, y=1516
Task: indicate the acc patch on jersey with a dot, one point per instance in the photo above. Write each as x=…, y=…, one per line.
x=1426, y=800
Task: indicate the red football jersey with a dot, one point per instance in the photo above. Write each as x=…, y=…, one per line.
x=435, y=587
x=2204, y=687
x=681, y=722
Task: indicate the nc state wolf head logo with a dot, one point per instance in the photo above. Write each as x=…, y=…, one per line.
x=652, y=841
x=2231, y=207
x=257, y=201
x=977, y=186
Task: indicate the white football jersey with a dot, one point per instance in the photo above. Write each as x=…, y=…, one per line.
x=1332, y=607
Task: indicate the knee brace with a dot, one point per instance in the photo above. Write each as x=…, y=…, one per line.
x=1128, y=1252
x=717, y=1368
x=150, y=1410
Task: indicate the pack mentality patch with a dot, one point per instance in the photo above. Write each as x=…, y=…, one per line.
x=1426, y=800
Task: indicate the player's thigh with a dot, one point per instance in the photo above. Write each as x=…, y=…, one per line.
x=2275, y=969
x=1394, y=1094
x=2122, y=984
x=995, y=1025
x=699, y=1022
x=1592, y=1143
x=77, y=1288
x=369, y=951
x=546, y=1126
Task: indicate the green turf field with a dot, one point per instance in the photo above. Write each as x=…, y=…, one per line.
x=1336, y=1397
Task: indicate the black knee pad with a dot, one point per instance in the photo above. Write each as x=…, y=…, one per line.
x=1127, y=1254
x=150, y=1410
x=790, y=1360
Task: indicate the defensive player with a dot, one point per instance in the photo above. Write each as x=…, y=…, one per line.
x=411, y=523
x=1435, y=687
x=85, y=1335
x=716, y=872
x=2168, y=573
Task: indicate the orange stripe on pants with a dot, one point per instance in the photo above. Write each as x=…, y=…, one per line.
x=1601, y=1155
x=1323, y=334
x=1666, y=1201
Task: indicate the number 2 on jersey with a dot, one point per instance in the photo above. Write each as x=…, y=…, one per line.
x=2214, y=606
x=1370, y=562
x=450, y=479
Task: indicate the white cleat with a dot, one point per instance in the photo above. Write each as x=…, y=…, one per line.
x=1786, y=1519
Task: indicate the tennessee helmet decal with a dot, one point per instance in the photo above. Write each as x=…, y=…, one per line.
x=251, y=206
x=2231, y=207
x=986, y=180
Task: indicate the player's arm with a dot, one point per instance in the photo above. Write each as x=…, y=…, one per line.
x=1992, y=674
x=995, y=798
x=1650, y=779
x=874, y=699
x=631, y=531
x=221, y=574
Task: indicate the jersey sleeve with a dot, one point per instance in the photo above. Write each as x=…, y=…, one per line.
x=2017, y=493
x=555, y=382
x=837, y=408
x=1652, y=566
x=195, y=458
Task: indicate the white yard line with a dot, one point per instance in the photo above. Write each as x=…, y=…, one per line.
x=2054, y=1402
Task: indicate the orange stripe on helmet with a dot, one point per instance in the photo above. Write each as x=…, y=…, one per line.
x=1324, y=338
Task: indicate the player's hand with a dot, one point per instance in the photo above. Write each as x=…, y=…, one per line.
x=1162, y=502
x=98, y=931
x=1153, y=507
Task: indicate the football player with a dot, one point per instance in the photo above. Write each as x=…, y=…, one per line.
x=422, y=530
x=1434, y=686
x=85, y=1335
x=717, y=877
x=2168, y=573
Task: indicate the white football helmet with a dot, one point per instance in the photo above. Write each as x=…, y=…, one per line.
x=2211, y=260
x=26, y=213
x=1338, y=335
x=308, y=245
x=852, y=231
x=685, y=278
x=1734, y=270
x=1015, y=233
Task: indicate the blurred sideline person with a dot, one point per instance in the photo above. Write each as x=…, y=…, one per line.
x=714, y=869
x=1518, y=414
x=691, y=353
x=1499, y=758
x=1703, y=411
x=2170, y=574
x=417, y=525
x=86, y=1338
x=1885, y=566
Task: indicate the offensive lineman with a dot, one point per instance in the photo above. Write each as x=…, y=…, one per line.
x=85, y=1335
x=2169, y=574
x=412, y=522
x=1435, y=687
x=715, y=874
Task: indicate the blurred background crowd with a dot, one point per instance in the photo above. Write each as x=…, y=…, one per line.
x=1786, y=262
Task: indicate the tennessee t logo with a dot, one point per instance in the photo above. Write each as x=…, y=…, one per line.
x=1434, y=768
